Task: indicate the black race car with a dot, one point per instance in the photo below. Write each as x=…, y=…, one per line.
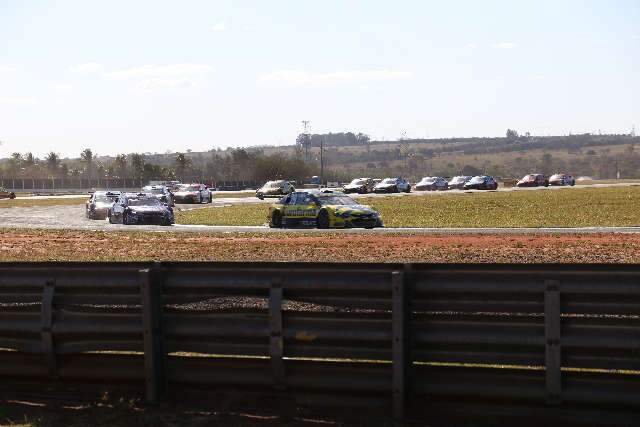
x=481, y=182
x=140, y=209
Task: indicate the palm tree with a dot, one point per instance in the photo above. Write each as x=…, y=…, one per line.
x=87, y=157
x=29, y=160
x=137, y=165
x=15, y=164
x=53, y=162
x=182, y=163
x=120, y=166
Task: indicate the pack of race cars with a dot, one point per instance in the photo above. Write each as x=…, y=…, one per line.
x=318, y=208
x=152, y=205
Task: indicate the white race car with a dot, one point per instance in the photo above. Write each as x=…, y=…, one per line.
x=193, y=193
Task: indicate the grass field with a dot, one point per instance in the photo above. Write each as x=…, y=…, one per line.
x=249, y=214
x=27, y=203
x=233, y=194
x=589, y=207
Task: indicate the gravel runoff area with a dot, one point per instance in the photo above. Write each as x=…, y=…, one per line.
x=79, y=245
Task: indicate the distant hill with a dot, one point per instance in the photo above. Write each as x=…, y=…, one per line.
x=601, y=156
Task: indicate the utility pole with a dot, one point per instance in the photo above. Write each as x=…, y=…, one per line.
x=307, y=138
x=321, y=160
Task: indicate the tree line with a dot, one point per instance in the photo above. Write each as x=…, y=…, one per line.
x=586, y=155
x=218, y=165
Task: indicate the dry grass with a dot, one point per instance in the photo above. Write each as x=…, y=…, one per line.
x=233, y=194
x=569, y=207
x=27, y=203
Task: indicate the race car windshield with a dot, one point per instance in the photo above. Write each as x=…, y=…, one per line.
x=477, y=179
x=358, y=182
x=529, y=178
x=191, y=188
x=337, y=200
x=428, y=179
x=558, y=176
x=144, y=202
x=104, y=199
x=457, y=179
x=388, y=181
x=272, y=185
x=156, y=191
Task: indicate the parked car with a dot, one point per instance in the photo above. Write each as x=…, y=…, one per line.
x=392, y=185
x=533, y=180
x=140, y=209
x=160, y=192
x=6, y=194
x=98, y=205
x=322, y=209
x=359, y=185
x=481, y=182
x=432, y=183
x=275, y=188
x=193, y=193
x=458, y=182
x=562, y=179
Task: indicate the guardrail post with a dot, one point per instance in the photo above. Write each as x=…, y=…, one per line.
x=276, y=343
x=151, y=284
x=46, y=315
x=399, y=320
x=553, y=354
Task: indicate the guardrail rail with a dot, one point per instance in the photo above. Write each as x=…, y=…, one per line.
x=396, y=337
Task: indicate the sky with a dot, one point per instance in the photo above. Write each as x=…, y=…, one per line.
x=152, y=76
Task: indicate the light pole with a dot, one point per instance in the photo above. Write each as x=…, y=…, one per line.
x=321, y=160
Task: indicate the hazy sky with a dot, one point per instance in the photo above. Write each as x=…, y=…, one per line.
x=123, y=76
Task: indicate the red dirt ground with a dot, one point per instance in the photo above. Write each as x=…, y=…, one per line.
x=35, y=245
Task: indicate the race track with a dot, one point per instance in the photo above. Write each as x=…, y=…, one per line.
x=71, y=217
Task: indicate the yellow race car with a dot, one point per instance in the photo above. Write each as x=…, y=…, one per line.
x=321, y=209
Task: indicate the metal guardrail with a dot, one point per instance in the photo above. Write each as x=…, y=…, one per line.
x=395, y=335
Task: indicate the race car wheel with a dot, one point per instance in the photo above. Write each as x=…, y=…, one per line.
x=124, y=218
x=408, y=190
x=276, y=220
x=12, y=196
x=210, y=198
x=323, y=219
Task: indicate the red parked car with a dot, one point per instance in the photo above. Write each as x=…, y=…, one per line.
x=533, y=180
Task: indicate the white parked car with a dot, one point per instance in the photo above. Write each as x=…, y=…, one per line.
x=275, y=189
x=458, y=182
x=562, y=179
x=359, y=185
x=392, y=185
x=193, y=193
x=432, y=183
